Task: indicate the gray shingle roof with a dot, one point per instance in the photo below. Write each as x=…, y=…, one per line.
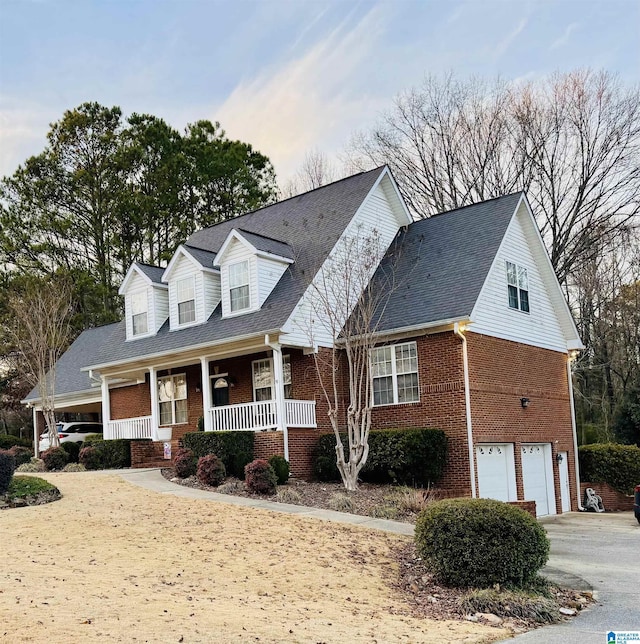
x=154, y=273
x=82, y=353
x=204, y=257
x=267, y=244
x=309, y=224
x=441, y=263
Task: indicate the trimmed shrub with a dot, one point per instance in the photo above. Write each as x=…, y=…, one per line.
x=200, y=424
x=74, y=467
x=414, y=457
x=72, y=449
x=260, y=477
x=211, y=470
x=7, y=468
x=185, y=463
x=92, y=438
x=90, y=457
x=7, y=441
x=616, y=465
x=21, y=454
x=280, y=466
x=480, y=542
x=26, y=486
x=55, y=458
x=34, y=465
x=234, y=449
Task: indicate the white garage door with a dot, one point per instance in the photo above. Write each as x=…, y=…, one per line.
x=537, y=477
x=496, y=472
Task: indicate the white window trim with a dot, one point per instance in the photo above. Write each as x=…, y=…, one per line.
x=249, y=307
x=285, y=358
x=195, y=321
x=129, y=313
x=517, y=286
x=394, y=376
x=173, y=400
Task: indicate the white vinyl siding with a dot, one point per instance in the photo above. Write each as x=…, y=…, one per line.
x=159, y=310
x=394, y=374
x=157, y=306
x=183, y=271
x=237, y=253
x=492, y=314
x=172, y=399
x=269, y=273
x=211, y=286
x=375, y=214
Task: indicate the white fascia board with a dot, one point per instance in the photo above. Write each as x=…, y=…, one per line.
x=169, y=352
x=233, y=235
x=276, y=258
x=398, y=194
x=87, y=396
x=425, y=328
x=134, y=268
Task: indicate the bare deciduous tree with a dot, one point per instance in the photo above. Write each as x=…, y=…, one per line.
x=39, y=327
x=316, y=171
x=347, y=301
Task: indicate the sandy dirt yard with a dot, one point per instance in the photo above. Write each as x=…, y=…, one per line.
x=115, y=563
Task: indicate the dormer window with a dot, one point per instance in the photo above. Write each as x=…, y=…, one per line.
x=239, y=286
x=139, y=318
x=518, y=287
x=185, y=293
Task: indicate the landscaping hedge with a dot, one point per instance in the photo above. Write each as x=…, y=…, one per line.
x=109, y=455
x=234, y=449
x=480, y=542
x=7, y=441
x=617, y=465
x=404, y=456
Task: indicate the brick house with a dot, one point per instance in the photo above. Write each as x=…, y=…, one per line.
x=478, y=341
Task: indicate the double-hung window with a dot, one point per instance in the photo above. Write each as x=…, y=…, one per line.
x=172, y=397
x=185, y=295
x=239, y=297
x=139, y=306
x=263, y=378
x=394, y=374
x=518, y=287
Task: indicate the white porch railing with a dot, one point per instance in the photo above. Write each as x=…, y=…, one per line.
x=258, y=416
x=129, y=428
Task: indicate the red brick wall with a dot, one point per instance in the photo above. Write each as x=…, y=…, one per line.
x=130, y=402
x=612, y=500
x=503, y=372
x=267, y=444
x=441, y=406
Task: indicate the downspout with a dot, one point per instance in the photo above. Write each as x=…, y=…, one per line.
x=467, y=402
x=575, y=432
x=278, y=377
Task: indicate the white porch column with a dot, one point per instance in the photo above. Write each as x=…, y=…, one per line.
x=206, y=394
x=153, y=388
x=106, y=403
x=278, y=386
x=36, y=433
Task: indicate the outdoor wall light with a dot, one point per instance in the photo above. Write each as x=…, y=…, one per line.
x=559, y=458
x=524, y=402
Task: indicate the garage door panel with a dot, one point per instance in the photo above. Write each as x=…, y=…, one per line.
x=537, y=477
x=496, y=471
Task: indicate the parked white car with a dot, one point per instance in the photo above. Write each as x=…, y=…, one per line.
x=74, y=432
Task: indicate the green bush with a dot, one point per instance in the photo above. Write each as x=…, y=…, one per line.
x=55, y=458
x=260, y=477
x=90, y=457
x=21, y=454
x=7, y=441
x=7, y=468
x=234, y=449
x=34, y=465
x=480, y=542
x=23, y=486
x=211, y=470
x=280, y=466
x=414, y=457
x=92, y=438
x=72, y=449
x=616, y=465
x=185, y=463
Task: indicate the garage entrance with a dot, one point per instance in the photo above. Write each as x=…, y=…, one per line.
x=537, y=477
x=496, y=472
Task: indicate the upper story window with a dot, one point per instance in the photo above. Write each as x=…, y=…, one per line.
x=518, y=287
x=394, y=374
x=172, y=397
x=139, y=315
x=239, y=286
x=263, y=378
x=185, y=294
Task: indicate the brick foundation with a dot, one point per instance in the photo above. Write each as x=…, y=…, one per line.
x=612, y=500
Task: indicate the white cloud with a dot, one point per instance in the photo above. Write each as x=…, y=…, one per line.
x=505, y=43
x=564, y=39
x=315, y=100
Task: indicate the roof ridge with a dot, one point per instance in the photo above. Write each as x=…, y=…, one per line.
x=470, y=205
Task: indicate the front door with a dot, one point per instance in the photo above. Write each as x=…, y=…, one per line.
x=220, y=392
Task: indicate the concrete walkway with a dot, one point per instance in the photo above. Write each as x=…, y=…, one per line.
x=152, y=479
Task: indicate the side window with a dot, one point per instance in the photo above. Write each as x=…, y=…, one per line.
x=139, y=318
x=263, y=378
x=185, y=295
x=239, y=294
x=394, y=374
x=172, y=398
x=517, y=287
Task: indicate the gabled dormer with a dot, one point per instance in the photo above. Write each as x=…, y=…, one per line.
x=194, y=287
x=146, y=301
x=250, y=267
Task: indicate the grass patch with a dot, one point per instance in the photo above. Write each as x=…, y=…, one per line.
x=23, y=486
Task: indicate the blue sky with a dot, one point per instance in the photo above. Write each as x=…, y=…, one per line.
x=284, y=75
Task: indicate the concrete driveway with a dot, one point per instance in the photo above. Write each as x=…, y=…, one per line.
x=601, y=551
